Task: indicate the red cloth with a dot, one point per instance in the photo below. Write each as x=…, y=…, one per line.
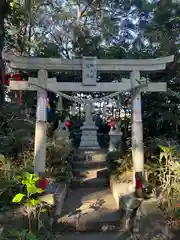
x=8, y=76
x=138, y=184
x=6, y=81
x=20, y=98
x=43, y=183
x=14, y=76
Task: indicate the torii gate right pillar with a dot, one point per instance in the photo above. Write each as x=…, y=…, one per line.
x=137, y=125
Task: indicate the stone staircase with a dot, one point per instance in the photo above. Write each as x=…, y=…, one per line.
x=93, y=236
x=89, y=170
x=89, y=205
x=91, y=212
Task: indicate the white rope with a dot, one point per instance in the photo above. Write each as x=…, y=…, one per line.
x=80, y=101
x=105, y=98
x=77, y=100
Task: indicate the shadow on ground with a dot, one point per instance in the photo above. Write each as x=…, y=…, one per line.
x=88, y=209
x=146, y=227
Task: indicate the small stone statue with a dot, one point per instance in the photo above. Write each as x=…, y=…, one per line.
x=115, y=137
x=62, y=133
x=60, y=125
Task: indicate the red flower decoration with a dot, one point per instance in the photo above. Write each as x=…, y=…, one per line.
x=68, y=123
x=43, y=183
x=138, y=184
x=112, y=124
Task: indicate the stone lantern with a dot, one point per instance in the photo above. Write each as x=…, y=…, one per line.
x=89, y=131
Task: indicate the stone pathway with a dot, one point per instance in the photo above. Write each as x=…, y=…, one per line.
x=92, y=236
x=90, y=209
x=89, y=205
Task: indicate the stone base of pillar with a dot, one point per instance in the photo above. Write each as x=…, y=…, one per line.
x=115, y=141
x=89, y=137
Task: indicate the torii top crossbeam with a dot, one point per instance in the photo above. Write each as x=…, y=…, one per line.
x=56, y=64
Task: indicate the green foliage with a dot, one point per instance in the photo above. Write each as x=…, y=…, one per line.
x=8, y=184
x=16, y=132
x=59, y=164
x=29, y=181
x=7, y=189
x=58, y=167
x=119, y=163
x=165, y=172
x=22, y=235
x=18, y=198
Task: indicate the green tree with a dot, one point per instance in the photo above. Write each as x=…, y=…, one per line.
x=161, y=34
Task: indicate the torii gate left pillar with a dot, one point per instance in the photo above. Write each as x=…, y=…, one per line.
x=41, y=125
x=41, y=122
x=40, y=85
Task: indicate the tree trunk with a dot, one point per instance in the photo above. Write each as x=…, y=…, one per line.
x=3, y=12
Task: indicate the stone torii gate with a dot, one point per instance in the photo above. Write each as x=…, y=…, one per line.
x=89, y=67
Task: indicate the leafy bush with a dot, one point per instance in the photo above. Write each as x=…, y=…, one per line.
x=7, y=190
x=20, y=235
x=169, y=177
x=58, y=167
x=32, y=207
x=29, y=181
x=8, y=184
x=164, y=172
x=118, y=163
x=59, y=161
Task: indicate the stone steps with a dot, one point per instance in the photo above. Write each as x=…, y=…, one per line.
x=96, y=155
x=89, y=206
x=94, y=236
x=89, y=169
x=89, y=183
x=89, y=165
x=90, y=173
x=90, y=227
x=89, y=210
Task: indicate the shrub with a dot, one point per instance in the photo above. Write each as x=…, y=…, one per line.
x=118, y=163
x=165, y=173
x=59, y=161
x=58, y=168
